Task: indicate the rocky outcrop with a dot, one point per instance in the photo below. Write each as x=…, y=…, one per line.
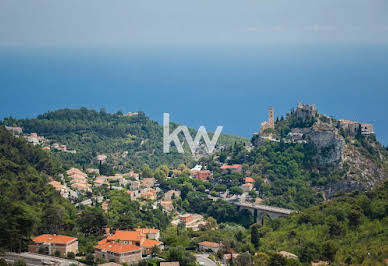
x=328, y=147
x=345, y=162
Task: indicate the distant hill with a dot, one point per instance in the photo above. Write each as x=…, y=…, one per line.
x=128, y=141
x=28, y=206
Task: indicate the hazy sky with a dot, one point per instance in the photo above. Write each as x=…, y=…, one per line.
x=112, y=22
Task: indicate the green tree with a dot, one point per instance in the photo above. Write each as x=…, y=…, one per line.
x=277, y=260
x=329, y=250
x=185, y=258
x=254, y=236
x=92, y=221
x=260, y=259
x=147, y=173
x=236, y=190
x=70, y=255
x=243, y=259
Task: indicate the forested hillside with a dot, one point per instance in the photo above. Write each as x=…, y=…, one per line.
x=28, y=205
x=129, y=141
x=351, y=229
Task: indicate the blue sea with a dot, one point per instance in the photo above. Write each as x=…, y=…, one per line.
x=232, y=86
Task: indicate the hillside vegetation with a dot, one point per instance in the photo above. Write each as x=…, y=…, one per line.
x=351, y=229
x=28, y=206
x=129, y=141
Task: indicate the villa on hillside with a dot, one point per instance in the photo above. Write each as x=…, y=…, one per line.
x=60, y=188
x=127, y=244
x=207, y=245
x=202, y=175
x=118, y=252
x=234, y=168
x=48, y=244
x=249, y=180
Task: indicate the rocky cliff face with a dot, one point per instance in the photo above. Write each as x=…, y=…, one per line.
x=362, y=163
x=329, y=147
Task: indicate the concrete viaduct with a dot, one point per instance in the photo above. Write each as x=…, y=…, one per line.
x=259, y=211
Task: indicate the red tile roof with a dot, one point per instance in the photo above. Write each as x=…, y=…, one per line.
x=249, y=180
x=47, y=238
x=117, y=247
x=233, y=166
x=126, y=236
x=149, y=243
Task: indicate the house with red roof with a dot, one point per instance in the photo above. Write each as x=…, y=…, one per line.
x=150, y=233
x=118, y=252
x=230, y=254
x=207, y=245
x=202, y=175
x=145, y=238
x=234, y=168
x=50, y=243
x=249, y=180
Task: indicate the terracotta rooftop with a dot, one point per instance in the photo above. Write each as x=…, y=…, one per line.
x=117, y=247
x=56, y=184
x=126, y=236
x=47, y=238
x=233, y=166
x=149, y=243
x=249, y=180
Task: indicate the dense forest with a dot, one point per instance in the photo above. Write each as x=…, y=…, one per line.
x=90, y=133
x=28, y=205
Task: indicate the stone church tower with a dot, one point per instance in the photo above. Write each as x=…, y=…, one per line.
x=271, y=118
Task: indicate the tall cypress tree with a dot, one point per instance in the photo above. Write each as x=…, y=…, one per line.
x=254, y=236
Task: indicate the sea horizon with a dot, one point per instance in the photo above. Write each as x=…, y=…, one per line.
x=212, y=85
